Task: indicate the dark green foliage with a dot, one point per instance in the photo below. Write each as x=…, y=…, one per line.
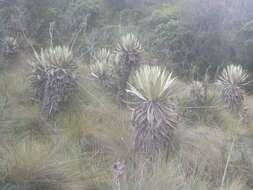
x=202, y=35
x=190, y=35
x=78, y=14
x=164, y=29
x=195, y=33
x=245, y=46
x=11, y=17
x=38, y=15
x=130, y=17
x=115, y=5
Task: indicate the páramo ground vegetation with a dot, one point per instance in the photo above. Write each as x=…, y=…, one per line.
x=123, y=95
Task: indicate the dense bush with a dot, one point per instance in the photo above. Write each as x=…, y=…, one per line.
x=180, y=32
x=163, y=24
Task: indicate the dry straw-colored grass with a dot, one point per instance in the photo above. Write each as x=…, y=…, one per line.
x=95, y=126
x=30, y=165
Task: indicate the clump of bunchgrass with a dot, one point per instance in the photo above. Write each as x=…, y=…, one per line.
x=203, y=151
x=29, y=165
